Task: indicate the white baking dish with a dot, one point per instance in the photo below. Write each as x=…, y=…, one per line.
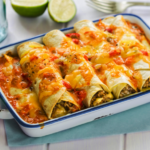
x=83, y=116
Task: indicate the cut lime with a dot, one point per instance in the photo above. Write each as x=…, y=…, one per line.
x=61, y=10
x=29, y=8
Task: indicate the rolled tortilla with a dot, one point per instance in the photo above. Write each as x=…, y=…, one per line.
x=73, y=60
x=132, y=47
x=145, y=79
x=102, y=41
x=85, y=24
x=96, y=96
x=91, y=37
x=57, y=39
x=128, y=40
x=18, y=91
x=121, y=23
x=46, y=79
x=117, y=21
x=96, y=42
x=121, y=86
x=141, y=66
x=123, y=33
x=78, y=71
x=125, y=38
x=115, y=84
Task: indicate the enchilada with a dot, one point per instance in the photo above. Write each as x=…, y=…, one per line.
x=106, y=54
x=46, y=80
x=76, y=69
x=18, y=90
x=135, y=46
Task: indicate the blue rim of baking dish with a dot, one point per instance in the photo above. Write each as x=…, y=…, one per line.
x=27, y=125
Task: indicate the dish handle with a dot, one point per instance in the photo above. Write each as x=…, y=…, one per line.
x=5, y=114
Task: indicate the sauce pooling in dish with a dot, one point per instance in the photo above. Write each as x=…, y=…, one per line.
x=19, y=92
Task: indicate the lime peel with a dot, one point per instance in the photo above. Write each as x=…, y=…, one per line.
x=29, y=8
x=61, y=10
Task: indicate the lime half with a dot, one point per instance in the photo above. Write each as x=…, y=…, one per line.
x=61, y=10
x=29, y=8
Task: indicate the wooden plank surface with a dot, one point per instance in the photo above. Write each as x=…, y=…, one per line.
x=115, y=142
x=40, y=147
x=138, y=141
x=3, y=143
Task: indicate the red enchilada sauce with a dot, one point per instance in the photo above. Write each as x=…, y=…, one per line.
x=137, y=30
x=12, y=77
x=113, y=53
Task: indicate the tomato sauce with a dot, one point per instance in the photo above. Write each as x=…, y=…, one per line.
x=137, y=30
x=12, y=76
x=119, y=56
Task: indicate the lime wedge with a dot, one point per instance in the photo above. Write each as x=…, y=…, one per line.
x=29, y=8
x=61, y=10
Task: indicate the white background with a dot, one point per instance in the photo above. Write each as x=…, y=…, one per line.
x=20, y=28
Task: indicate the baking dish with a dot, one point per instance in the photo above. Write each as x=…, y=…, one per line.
x=87, y=115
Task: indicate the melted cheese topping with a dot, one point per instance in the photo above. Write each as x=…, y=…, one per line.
x=113, y=52
x=37, y=64
x=115, y=42
x=44, y=75
x=16, y=89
